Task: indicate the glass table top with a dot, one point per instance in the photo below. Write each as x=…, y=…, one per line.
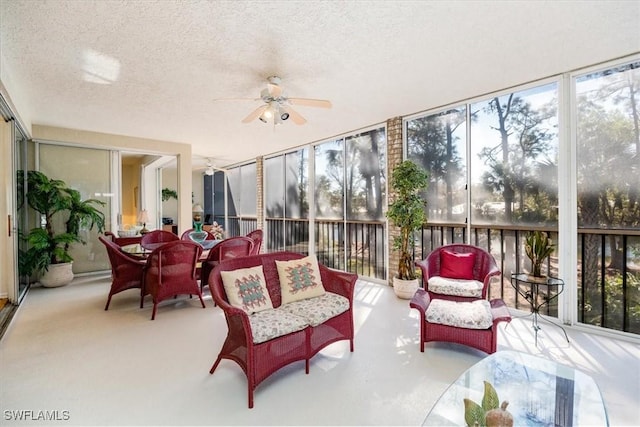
x=540, y=393
x=137, y=249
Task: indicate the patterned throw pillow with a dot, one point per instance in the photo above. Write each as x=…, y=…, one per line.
x=246, y=289
x=299, y=279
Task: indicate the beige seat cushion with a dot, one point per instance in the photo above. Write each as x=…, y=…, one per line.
x=456, y=287
x=270, y=324
x=469, y=315
x=318, y=310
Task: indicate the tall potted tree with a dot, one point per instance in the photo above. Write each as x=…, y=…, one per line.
x=407, y=213
x=48, y=249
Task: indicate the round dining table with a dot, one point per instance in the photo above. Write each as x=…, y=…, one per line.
x=138, y=250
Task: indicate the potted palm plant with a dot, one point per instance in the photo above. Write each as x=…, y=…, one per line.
x=48, y=249
x=538, y=247
x=407, y=213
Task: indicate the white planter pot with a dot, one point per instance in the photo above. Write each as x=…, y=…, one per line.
x=405, y=289
x=57, y=275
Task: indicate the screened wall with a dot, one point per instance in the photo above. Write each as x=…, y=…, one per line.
x=513, y=162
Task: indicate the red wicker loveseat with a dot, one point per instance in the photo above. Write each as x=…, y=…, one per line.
x=246, y=344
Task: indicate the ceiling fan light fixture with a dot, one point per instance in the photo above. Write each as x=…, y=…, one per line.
x=276, y=105
x=209, y=172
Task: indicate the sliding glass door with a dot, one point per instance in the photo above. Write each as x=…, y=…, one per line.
x=24, y=160
x=88, y=171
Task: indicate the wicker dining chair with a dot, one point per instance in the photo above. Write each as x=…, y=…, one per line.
x=233, y=247
x=151, y=239
x=171, y=271
x=126, y=270
x=256, y=236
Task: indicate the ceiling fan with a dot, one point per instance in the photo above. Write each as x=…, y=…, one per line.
x=277, y=106
x=210, y=169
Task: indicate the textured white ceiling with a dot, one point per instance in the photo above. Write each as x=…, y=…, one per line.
x=155, y=69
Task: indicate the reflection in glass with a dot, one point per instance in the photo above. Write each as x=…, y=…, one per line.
x=329, y=179
x=608, y=183
x=438, y=143
x=274, y=186
x=514, y=158
x=296, y=184
x=365, y=180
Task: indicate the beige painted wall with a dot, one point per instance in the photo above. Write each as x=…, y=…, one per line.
x=130, y=191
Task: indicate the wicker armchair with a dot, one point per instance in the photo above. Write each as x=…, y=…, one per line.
x=153, y=238
x=256, y=236
x=126, y=270
x=171, y=271
x=233, y=247
x=123, y=241
x=484, y=268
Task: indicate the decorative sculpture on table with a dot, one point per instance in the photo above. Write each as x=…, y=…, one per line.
x=217, y=231
x=489, y=414
x=197, y=235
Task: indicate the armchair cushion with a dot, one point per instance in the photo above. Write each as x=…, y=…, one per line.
x=270, y=324
x=246, y=289
x=299, y=279
x=456, y=287
x=316, y=311
x=469, y=315
x=457, y=265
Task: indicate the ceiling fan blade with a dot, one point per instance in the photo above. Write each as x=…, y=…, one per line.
x=255, y=114
x=322, y=103
x=294, y=115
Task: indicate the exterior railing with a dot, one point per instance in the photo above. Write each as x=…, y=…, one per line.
x=237, y=226
x=363, y=241
x=607, y=274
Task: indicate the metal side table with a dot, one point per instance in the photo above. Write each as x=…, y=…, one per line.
x=530, y=288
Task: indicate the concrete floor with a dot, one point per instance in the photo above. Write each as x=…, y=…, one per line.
x=64, y=354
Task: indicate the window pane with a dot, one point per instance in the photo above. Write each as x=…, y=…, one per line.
x=514, y=158
x=365, y=182
x=233, y=192
x=608, y=183
x=249, y=188
x=438, y=144
x=329, y=166
x=297, y=172
x=274, y=186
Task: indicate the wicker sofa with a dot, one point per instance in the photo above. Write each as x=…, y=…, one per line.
x=265, y=341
